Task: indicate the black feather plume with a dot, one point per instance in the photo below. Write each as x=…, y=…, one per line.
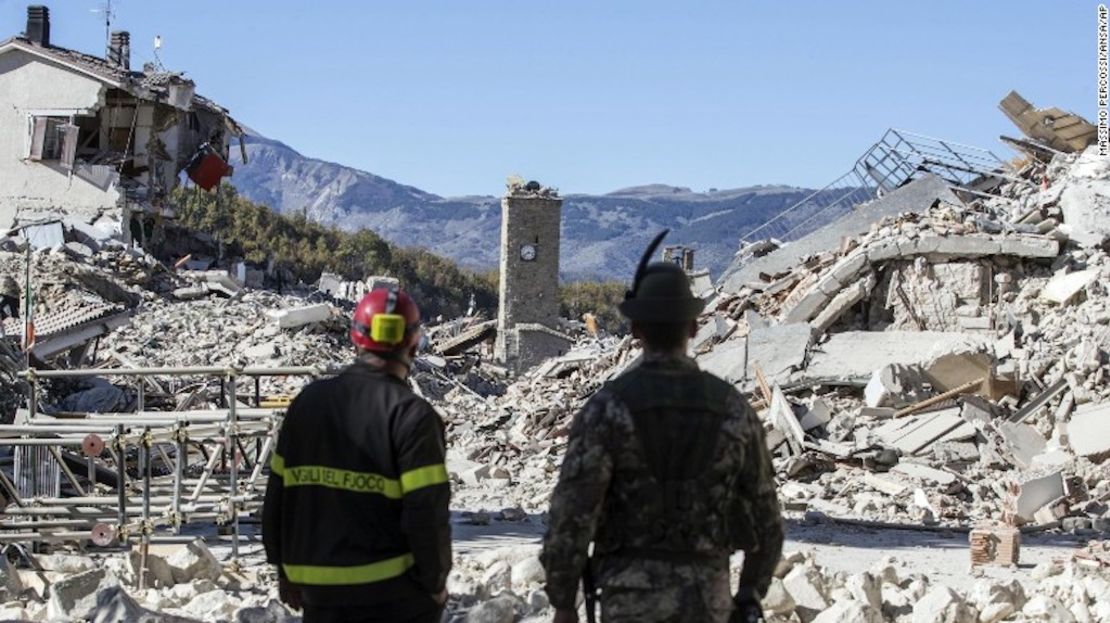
x=648, y=253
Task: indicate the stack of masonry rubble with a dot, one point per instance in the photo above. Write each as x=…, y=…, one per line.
x=1007, y=289
x=1010, y=289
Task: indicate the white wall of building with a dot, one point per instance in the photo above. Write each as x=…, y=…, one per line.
x=31, y=190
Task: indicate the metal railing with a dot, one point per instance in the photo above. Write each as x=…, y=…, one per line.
x=895, y=159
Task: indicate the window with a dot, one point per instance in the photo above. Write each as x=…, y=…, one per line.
x=53, y=138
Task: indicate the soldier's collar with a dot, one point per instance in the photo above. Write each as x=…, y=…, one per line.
x=669, y=359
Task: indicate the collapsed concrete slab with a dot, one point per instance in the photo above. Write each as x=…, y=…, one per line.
x=1089, y=430
x=778, y=349
x=728, y=360
x=1063, y=288
x=831, y=284
x=895, y=386
x=1085, y=202
x=917, y=196
x=75, y=597
x=1022, y=440
x=1036, y=493
x=915, y=434
x=300, y=316
x=851, y=357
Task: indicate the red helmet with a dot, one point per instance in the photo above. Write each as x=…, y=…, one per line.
x=385, y=320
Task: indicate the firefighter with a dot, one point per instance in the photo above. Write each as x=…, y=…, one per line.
x=356, y=509
x=667, y=473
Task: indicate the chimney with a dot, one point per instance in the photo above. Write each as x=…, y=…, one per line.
x=38, y=25
x=119, y=50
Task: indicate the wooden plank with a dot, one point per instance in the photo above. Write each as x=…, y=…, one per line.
x=968, y=387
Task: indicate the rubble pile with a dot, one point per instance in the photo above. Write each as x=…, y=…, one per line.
x=945, y=370
x=184, y=584
x=505, y=450
x=244, y=331
x=505, y=585
x=949, y=366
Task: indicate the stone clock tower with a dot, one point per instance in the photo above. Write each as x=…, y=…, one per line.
x=528, y=312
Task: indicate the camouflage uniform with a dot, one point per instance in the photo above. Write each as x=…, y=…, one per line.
x=667, y=473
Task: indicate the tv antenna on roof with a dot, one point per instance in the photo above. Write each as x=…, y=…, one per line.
x=109, y=13
x=158, y=46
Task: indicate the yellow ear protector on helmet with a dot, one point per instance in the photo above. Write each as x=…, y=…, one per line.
x=388, y=328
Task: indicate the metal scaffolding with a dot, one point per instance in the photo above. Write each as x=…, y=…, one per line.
x=895, y=159
x=120, y=478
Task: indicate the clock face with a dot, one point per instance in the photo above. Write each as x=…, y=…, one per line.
x=528, y=252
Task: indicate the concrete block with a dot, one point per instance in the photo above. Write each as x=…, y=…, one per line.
x=10, y=583
x=881, y=252
x=1086, y=209
x=967, y=246
x=1089, y=430
x=528, y=572
x=114, y=605
x=778, y=600
x=840, y=303
x=194, y=562
x=215, y=605
x=74, y=597
x=1038, y=492
x=885, y=484
x=927, y=244
x=817, y=415
x=754, y=320
x=849, y=268
x=300, y=316
x=866, y=588
x=919, y=432
x=1063, y=288
x=955, y=451
x=500, y=609
x=1022, y=440
x=895, y=386
x=1029, y=246
x=850, y=611
x=159, y=572
x=807, y=588
x=924, y=472
x=727, y=360
x=779, y=349
x=851, y=357
x=1045, y=608
x=941, y=605
x=810, y=305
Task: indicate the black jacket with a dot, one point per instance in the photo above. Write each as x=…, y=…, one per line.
x=356, y=508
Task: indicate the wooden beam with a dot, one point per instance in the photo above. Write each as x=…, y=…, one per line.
x=966, y=388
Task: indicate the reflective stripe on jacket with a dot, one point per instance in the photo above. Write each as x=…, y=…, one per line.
x=356, y=509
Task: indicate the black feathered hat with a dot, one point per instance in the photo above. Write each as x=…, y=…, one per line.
x=660, y=291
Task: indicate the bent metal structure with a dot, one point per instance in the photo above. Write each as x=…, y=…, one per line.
x=132, y=478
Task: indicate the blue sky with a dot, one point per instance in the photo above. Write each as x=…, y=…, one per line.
x=593, y=96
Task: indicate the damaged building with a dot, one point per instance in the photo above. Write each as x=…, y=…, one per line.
x=93, y=142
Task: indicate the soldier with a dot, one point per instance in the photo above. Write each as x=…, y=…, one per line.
x=666, y=472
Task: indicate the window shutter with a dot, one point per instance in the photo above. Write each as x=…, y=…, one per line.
x=38, y=137
x=69, y=145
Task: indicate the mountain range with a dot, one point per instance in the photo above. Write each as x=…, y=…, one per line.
x=602, y=238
